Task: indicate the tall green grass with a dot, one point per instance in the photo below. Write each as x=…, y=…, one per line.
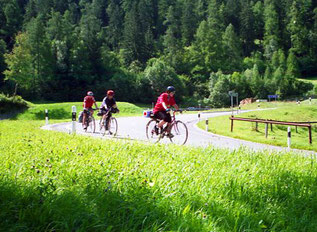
x=51, y=181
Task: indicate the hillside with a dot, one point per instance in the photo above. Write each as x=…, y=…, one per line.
x=58, y=50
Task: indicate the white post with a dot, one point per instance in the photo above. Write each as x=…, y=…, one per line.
x=46, y=117
x=74, y=119
x=231, y=105
x=289, y=137
x=207, y=125
x=310, y=100
x=198, y=117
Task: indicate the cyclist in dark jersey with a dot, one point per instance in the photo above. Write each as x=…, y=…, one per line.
x=107, y=107
x=162, y=108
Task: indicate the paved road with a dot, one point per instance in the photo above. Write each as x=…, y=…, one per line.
x=134, y=128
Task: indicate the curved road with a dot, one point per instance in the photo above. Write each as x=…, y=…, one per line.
x=134, y=128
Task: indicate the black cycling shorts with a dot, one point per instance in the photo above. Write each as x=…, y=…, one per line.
x=163, y=115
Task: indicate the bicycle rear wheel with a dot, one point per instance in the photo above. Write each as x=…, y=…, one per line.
x=180, y=132
x=113, y=126
x=92, y=125
x=152, y=134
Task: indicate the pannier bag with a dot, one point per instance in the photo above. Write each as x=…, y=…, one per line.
x=80, y=118
x=148, y=113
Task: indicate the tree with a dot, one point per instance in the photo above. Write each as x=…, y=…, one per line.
x=13, y=16
x=297, y=26
x=133, y=40
x=173, y=48
x=247, y=30
x=271, y=28
x=20, y=63
x=219, y=93
x=292, y=66
x=257, y=83
x=160, y=75
x=41, y=53
x=115, y=26
x=189, y=22
x=232, y=49
x=3, y=50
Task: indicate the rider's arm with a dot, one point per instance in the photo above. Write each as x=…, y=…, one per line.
x=176, y=107
x=164, y=105
x=96, y=105
x=116, y=107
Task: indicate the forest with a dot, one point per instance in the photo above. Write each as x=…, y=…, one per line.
x=57, y=50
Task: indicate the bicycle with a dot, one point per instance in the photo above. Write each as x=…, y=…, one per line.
x=112, y=123
x=89, y=125
x=179, y=131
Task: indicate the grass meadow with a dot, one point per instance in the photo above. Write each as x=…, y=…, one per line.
x=288, y=112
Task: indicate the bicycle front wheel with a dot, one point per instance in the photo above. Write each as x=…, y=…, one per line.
x=101, y=127
x=113, y=126
x=152, y=132
x=180, y=133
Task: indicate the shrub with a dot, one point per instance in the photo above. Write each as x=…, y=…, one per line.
x=8, y=104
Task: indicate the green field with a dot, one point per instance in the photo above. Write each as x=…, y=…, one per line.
x=62, y=111
x=51, y=181
x=288, y=112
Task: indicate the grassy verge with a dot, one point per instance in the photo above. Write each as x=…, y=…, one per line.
x=62, y=111
x=51, y=181
x=246, y=130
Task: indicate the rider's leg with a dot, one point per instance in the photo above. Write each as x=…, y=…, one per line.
x=84, y=119
x=108, y=120
x=168, y=127
x=161, y=124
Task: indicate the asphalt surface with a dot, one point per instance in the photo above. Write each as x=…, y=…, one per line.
x=133, y=128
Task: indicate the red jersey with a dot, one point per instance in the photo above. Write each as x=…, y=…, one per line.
x=167, y=99
x=89, y=101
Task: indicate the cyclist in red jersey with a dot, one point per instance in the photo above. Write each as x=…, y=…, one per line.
x=89, y=101
x=162, y=108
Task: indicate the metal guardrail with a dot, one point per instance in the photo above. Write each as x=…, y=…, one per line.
x=274, y=122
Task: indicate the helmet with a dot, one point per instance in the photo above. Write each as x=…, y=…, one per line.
x=110, y=92
x=170, y=89
x=89, y=93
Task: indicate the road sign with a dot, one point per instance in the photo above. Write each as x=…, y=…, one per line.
x=233, y=94
x=273, y=96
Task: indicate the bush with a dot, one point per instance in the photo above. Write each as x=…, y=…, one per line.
x=8, y=104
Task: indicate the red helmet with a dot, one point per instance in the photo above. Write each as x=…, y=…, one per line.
x=89, y=93
x=110, y=92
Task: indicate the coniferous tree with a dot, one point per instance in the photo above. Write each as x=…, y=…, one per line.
x=292, y=65
x=3, y=49
x=115, y=27
x=297, y=26
x=172, y=38
x=232, y=50
x=189, y=22
x=271, y=28
x=247, y=29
